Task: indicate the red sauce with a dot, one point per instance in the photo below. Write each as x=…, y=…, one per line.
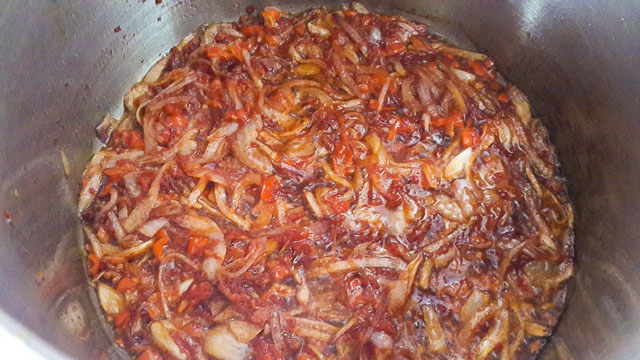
x=336, y=185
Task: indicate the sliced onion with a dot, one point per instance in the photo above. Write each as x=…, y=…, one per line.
x=184, y=286
x=521, y=104
x=318, y=30
x=358, y=263
x=359, y=8
x=210, y=267
x=425, y=274
x=435, y=334
x=457, y=96
x=353, y=34
x=156, y=70
x=383, y=94
x=247, y=154
x=408, y=98
x=131, y=184
x=463, y=75
x=243, y=331
x=106, y=127
x=129, y=253
x=313, y=329
x=88, y=192
x=476, y=301
x=221, y=201
x=111, y=300
x=150, y=228
x=393, y=221
x=136, y=91
x=220, y=343
x=382, y=340
x=459, y=164
x=93, y=240
x=200, y=226
x=313, y=204
x=400, y=289
x=464, y=53
x=375, y=36
x=162, y=338
x=141, y=212
x=115, y=224
x=497, y=334
x=241, y=265
x=252, y=73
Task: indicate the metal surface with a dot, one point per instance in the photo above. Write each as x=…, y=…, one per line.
x=63, y=66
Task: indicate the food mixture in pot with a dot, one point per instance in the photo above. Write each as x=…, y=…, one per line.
x=328, y=185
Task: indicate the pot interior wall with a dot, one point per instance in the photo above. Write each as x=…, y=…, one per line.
x=64, y=65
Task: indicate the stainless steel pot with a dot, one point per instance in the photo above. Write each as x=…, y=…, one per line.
x=63, y=64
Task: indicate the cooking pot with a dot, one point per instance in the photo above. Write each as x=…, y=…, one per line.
x=65, y=63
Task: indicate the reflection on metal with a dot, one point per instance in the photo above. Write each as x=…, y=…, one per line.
x=64, y=67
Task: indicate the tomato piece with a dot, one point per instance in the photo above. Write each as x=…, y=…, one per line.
x=127, y=283
x=340, y=206
x=241, y=116
x=154, y=306
x=171, y=109
x=196, y=245
x=252, y=30
x=503, y=98
x=199, y=293
x=95, y=264
x=133, y=139
x=469, y=137
x=449, y=123
x=300, y=29
x=278, y=271
x=194, y=329
x=122, y=319
x=217, y=52
x=342, y=159
x=273, y=40
x=236, y=52
x=395, y=46
x=268, y=191
x=121, y=168
x=177, y=121
x=149, y=355
x=158, y=245
x=478, y=69
x=271, y=17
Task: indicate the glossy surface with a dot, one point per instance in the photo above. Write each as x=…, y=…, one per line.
x=64, y=67
x=337, y=183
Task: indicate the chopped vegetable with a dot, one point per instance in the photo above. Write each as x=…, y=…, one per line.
x=331, y=184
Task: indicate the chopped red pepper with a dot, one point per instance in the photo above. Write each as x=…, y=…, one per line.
x=158, y=245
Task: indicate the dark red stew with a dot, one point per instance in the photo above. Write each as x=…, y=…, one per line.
x=328, y=185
